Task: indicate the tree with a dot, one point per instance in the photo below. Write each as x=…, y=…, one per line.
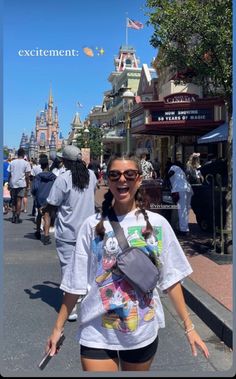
x=93, y=140
x=194, y=40
x=5, y=151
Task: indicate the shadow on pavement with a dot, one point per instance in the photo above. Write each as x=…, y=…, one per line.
x=50, y=295
x=30, y=236
x=201, y=242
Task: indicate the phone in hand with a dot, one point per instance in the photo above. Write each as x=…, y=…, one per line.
x=46, y=358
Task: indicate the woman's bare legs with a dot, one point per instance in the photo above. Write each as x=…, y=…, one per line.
x=143, y=366
x=47, y=222
x=100, y=364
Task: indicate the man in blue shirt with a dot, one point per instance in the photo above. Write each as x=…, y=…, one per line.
x=5, y=171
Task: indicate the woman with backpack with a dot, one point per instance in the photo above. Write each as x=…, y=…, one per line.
x=119, y=325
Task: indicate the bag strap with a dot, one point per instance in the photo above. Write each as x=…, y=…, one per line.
x=119, y=233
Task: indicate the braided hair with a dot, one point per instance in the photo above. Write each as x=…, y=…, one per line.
x=108, y=199
x=79, y=172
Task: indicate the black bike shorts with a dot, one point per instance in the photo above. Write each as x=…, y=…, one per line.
x=131, y=356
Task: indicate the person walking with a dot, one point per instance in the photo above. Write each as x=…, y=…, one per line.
x=94, y=165
x=192, y=171
x=118, y=325
x=57, y=167
x=182, y=192
x=41, y=187
x=35, y=170
x=156, y=167
x=24, y=203
x=19, y=172
x=5, y=170
x=147, y=168
x=73, y=195
x=6, y=198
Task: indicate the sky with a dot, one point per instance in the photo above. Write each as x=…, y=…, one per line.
x=66, y=25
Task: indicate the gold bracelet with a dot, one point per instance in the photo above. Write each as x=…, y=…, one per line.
x=182, y=322
x=192, y=327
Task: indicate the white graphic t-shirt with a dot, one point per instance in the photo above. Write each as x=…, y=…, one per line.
x=147, y=169
x=113, y=315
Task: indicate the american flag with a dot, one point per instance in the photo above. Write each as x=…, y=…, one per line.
x=134, y=24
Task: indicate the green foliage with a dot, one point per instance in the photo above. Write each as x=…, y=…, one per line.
x=5, y=151
x=92, y=140
x=194, y=40
x=194, y=37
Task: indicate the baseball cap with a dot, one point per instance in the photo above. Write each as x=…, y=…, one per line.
x=71, y=153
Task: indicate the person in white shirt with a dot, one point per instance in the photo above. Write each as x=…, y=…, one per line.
x=19, y=171
x=182, y=193
x=73, y=196
x=35, y=170
x=118, y=326
x=147, y=168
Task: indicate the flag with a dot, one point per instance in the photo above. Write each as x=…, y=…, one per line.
x=79, y=105
x=134, y=24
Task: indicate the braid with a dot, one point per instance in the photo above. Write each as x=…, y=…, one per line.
x=141, y=204
x=106, y=205
x=149, y=229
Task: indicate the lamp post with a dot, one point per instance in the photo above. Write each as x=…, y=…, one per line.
x=86, y=150
x=86, y=136
x=128, y=102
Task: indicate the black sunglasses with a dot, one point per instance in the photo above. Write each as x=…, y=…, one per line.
x=115, y=175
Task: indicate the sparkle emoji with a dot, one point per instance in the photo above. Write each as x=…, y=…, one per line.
x=100, y=51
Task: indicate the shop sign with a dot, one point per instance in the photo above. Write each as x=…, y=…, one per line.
x=181, y=98
x=182, y=115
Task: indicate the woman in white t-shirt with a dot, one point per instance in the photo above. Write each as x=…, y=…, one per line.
x=118, y=326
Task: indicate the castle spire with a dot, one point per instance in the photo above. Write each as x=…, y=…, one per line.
x=50, y=100
x=50, y=108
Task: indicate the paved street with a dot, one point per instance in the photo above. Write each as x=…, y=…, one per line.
x=32, y=299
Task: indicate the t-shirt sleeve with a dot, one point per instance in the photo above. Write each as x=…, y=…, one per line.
x=75, y=277
x=56, y=193
x=175, y=266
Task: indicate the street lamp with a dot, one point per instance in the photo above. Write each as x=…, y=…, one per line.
x=128, y=102
x=86, y=136
x=86, y=150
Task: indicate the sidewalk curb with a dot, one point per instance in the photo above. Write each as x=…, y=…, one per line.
x=218, y=318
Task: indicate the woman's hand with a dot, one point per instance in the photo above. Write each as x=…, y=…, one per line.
x=176, y=294
x=52, y=342
x=195, y=342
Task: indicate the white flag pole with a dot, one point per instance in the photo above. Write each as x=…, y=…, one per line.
x=126, y=31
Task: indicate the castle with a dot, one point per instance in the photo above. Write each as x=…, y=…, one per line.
x=46, y=138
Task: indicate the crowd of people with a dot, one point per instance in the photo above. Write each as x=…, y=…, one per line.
x=176, y=177
x=118, y=326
